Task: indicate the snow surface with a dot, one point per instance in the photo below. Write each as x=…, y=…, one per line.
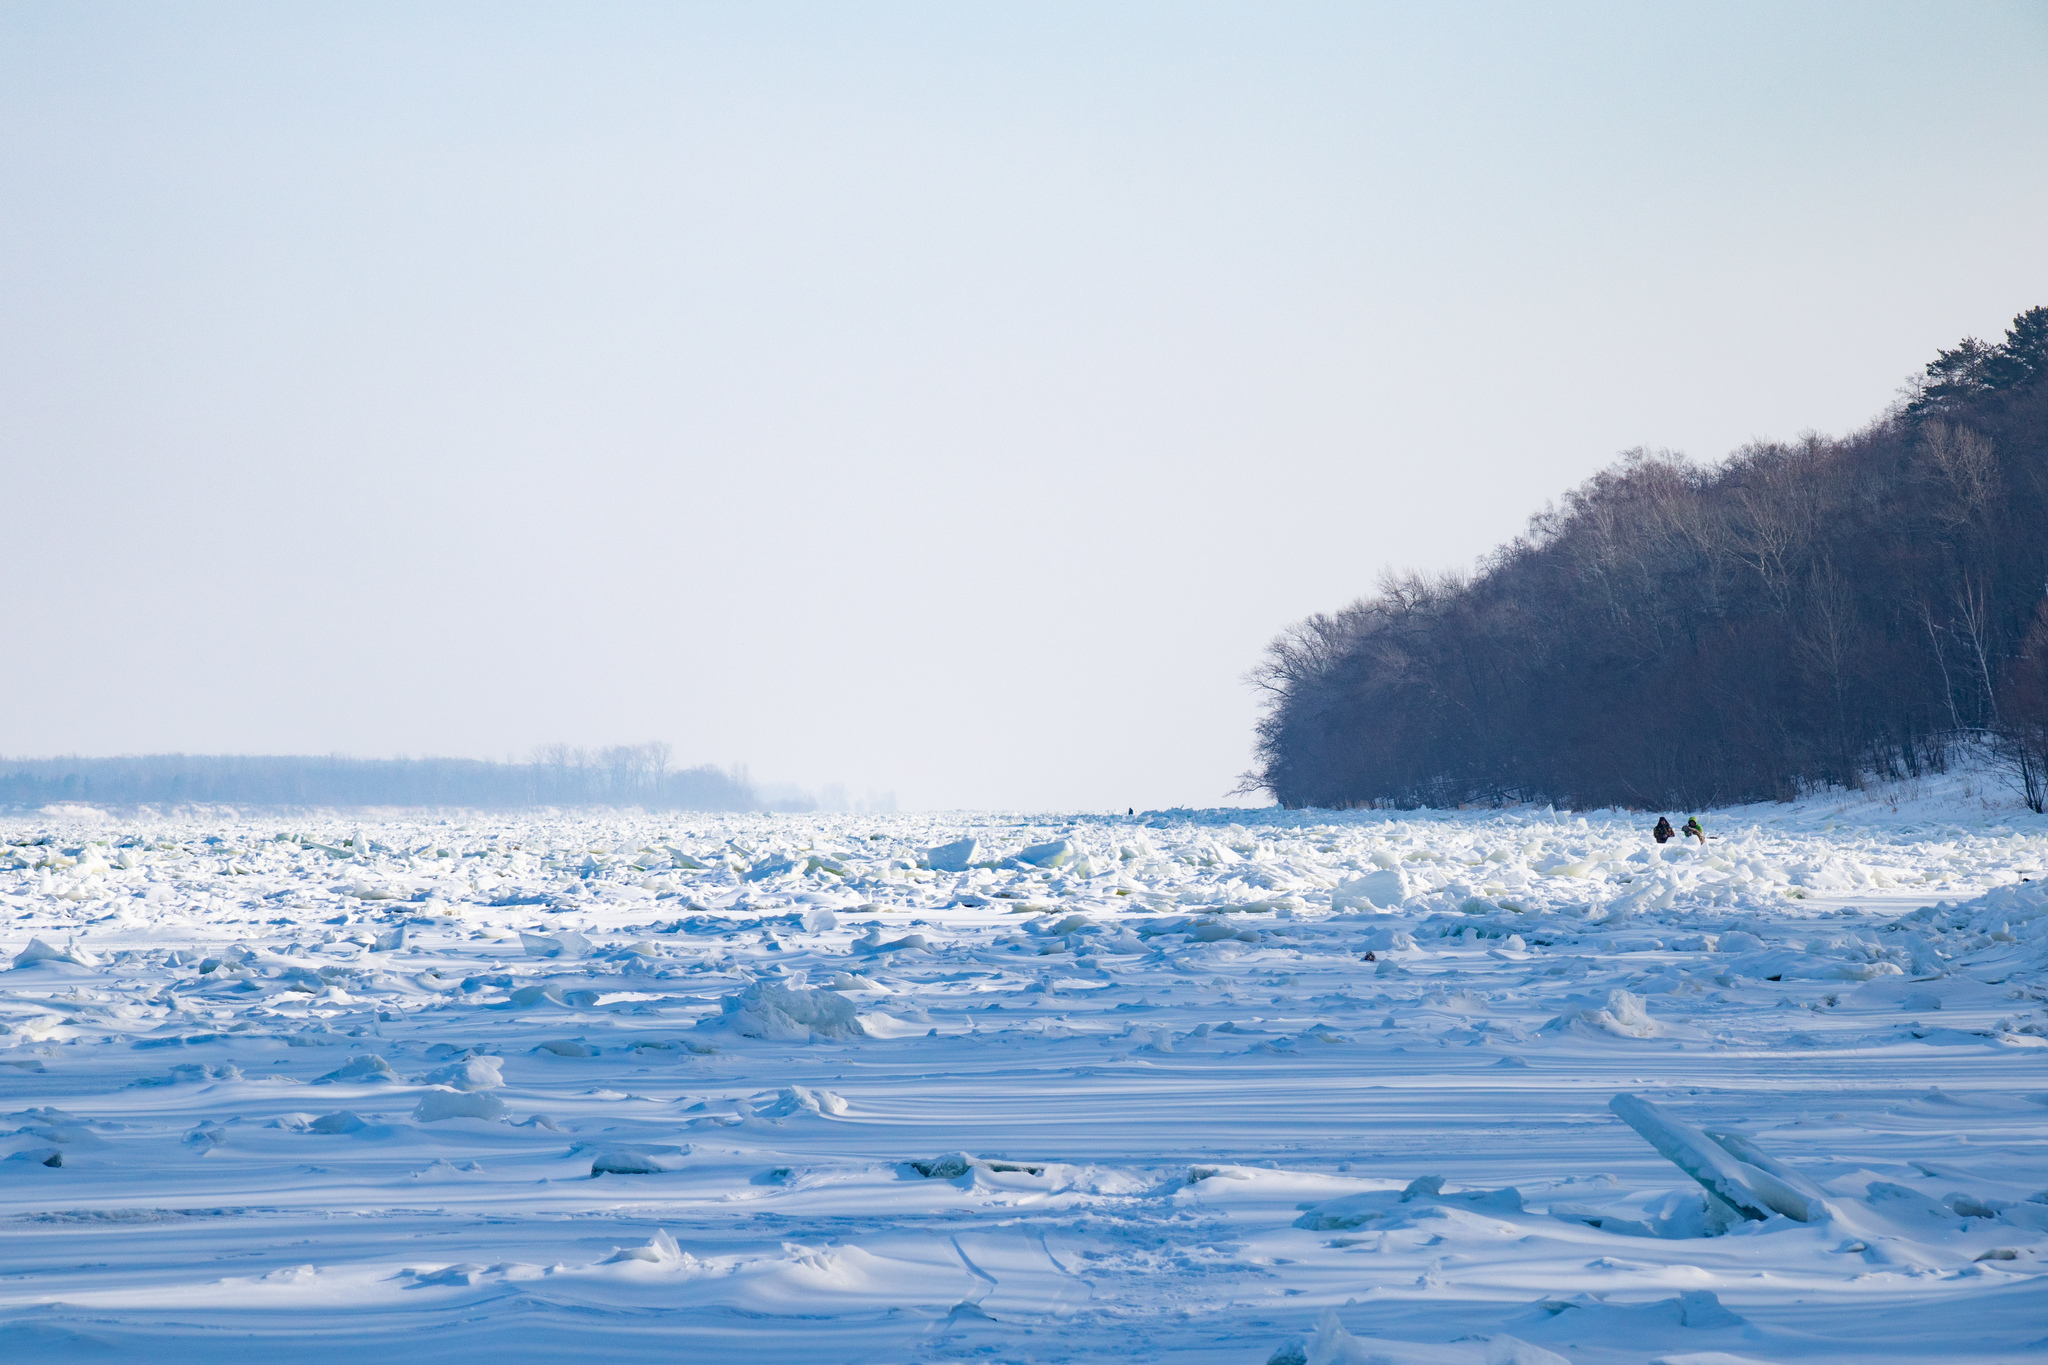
x=771, y=1088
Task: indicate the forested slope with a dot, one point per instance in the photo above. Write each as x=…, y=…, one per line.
x=1685, y=635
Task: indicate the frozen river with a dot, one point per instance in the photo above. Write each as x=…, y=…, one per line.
x=1231, y=1086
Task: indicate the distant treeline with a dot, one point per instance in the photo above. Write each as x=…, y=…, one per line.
x=1675, y=636
x=627, y=775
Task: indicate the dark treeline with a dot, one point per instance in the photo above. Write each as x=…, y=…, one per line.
x=1676, y=635
x=626, y=775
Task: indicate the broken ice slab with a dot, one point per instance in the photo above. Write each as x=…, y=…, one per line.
x=568, y=943
x=1749, y=1189
x=1057, y=853
x=953, y=857
x=1384, y=889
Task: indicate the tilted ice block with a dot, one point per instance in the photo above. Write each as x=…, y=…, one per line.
x=1743, y=1150
x=1054, y=854
x=954, y=857
x=775, y=865
x=1750, y=1190
x=568, y=943
x=1383, y=889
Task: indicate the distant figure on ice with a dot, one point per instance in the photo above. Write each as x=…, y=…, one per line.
x=1664, y=832
x=1693, y=829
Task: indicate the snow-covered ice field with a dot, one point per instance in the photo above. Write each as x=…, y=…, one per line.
x=1231, y=1086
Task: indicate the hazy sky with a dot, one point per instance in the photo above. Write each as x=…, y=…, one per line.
x=950, y=399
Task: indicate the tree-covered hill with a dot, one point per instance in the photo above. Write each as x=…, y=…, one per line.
x=1674, y=634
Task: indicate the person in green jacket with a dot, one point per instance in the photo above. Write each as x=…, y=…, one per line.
x=1695, y=830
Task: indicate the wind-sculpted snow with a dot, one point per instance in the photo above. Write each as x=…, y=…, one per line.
x=1238, y=1086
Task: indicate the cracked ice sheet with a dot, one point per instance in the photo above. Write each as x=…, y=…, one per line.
x=1166, y=1028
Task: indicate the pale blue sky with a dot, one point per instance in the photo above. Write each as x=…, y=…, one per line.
x=943, y=398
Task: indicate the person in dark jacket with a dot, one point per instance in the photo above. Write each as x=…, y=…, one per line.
x=1694, y=830
x=1664, y=833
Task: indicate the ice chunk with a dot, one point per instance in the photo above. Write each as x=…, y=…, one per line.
x=1701, y=1308
x=633, y=1160
x=775, y=865
x=1343, y=1214
x=567, y=1047
x=39, y=1156
x=370, y=1067
x=390, y=941
x=1682, y=1214
x=1055, y=854
x=1293, y=1351
x=819, y=919
x=39, y=951
x=437, y=1105
x=789, y=1014
x=340, y=1121
x=1506, y=1350
x=907, y=943
x=957, y=1164
x=796, y=1099
x=1746, y=1151
x=552, y=993
x=1753, y=1192
x=1357, y=1210
x=851, y=981
x=471, y=1073
x=1329, y=1344
x=661, y=1250
x=565, y=944
x=1381, y=890
x=954, y=857
x=1621, y=1014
